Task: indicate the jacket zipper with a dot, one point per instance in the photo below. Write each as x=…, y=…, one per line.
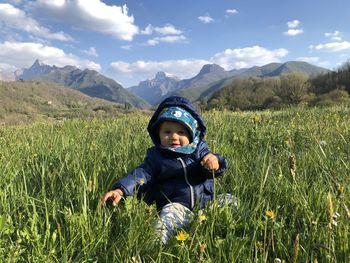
x=188, y=183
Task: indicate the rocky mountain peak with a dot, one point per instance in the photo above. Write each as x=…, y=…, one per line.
x=208, y=68
x=36, y=70
x=161, y=75
x=38, y=63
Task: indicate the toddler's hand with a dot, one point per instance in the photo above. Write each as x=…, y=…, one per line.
x=210, y=161
x=115, y=196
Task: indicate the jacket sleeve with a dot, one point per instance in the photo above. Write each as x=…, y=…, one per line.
x=138, y=180
x=222, y=162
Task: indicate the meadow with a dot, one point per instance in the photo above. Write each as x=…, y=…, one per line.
x=289, y=171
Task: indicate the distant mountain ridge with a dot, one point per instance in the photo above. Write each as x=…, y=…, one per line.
x=277, y=69
x=155, y=90
x=268, y=70
x=210, y=78
x=213, y=77
x=87, y=81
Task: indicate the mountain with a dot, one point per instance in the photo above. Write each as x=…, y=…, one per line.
x=211, y=78
x=87, y=81
x=28, y=101
x=37, y=69
x=277, y=69
x=152, y=90
x=299, y=66
x=163, y=85
x=268, y=70
x=209, y=74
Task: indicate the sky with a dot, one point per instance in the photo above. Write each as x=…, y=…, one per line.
x=130, y=41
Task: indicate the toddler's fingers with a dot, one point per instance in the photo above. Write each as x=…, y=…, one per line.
x=105, y=197
x=211, y=164
x=205, y=159
x=117, y=200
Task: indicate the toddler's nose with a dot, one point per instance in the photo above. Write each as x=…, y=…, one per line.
x=174, y=136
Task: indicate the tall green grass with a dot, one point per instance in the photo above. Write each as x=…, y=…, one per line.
x=288, y=169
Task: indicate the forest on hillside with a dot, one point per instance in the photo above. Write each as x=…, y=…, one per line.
x=258, y=93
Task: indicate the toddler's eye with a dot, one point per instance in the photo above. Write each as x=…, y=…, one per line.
x=181, y=132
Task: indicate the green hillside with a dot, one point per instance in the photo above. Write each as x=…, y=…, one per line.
x=28, y=101
x=297, y=66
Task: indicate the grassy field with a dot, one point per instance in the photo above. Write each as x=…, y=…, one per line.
x=288, y=169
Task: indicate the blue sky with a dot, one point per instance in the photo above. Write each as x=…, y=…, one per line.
x=130, y=41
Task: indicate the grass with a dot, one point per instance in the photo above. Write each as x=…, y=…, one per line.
x=288, y=169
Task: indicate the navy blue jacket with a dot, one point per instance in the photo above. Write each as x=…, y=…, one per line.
x=167, y=176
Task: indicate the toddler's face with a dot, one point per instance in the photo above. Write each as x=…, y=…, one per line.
x=173, y=134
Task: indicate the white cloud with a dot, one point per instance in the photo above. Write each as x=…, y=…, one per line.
x=231, y=11
x=312, y=60
x=206, y=19
x=247, y=57
x=336, y=35
x=129, y=74
x=27, y=53
x=152, y=42
x=293, y=24
x=91, y=52
x=15, y=18
x=148, y=30
x=292, y=28
x=126, y=47
x=7, y=71
x=166, y=39
x=169, y=34
x=92, y=15
x=315, y=61
x=293, y=32
x=332, y=46
x=168, y=29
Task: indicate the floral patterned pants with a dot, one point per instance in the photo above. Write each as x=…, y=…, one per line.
x=175, y=216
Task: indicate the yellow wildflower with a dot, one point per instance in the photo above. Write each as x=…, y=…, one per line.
x=141, y=182
x=270, y=214
x=202, y=218
x=182, y=236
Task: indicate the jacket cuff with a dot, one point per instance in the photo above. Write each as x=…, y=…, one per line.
x=222, y=162
x=222, y=167
x=117, y=185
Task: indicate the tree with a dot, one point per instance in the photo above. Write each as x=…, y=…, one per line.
x=294, y=88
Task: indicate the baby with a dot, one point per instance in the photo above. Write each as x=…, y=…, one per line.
x=178, y=171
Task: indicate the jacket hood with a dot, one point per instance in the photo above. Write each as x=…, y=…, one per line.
x=174, y=101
